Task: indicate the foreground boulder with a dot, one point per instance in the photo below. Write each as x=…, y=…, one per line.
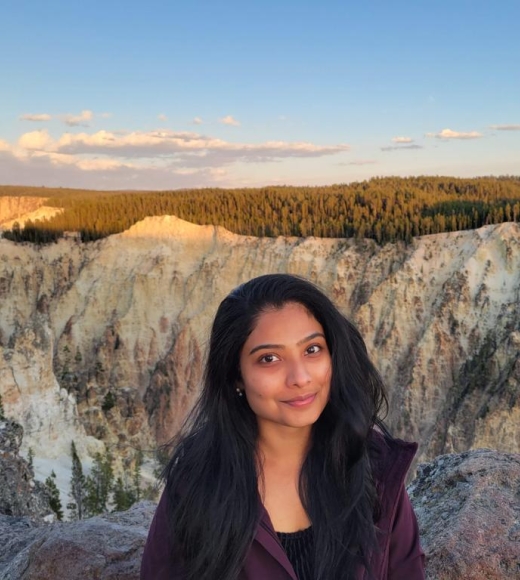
x=468, y=508
x=467, y=505
x=100, y=548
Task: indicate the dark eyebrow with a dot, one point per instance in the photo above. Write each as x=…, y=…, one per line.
x=281, y=346
x=263, y=346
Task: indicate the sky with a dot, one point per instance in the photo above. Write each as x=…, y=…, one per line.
x=171, y=94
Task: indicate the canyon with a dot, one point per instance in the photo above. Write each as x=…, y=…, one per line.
x=104, y=343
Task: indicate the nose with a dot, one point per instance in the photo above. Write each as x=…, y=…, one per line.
x=297, y=374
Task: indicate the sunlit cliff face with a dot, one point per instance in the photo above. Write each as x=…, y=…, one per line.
x=130, y=316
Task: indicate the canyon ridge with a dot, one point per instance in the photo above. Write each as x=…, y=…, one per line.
x=103, y=343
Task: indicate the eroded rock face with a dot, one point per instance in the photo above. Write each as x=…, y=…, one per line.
x=14, y=208
x=20, y=495
x=116, y=331
x=468, y=509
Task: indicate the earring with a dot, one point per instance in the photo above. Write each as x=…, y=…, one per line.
x=239, y=392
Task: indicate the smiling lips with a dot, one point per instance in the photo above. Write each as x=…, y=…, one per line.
x=302, y=401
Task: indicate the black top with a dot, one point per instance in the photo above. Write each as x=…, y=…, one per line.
x=299, y=547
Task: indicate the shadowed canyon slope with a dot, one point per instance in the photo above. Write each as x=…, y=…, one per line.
x=105, y=341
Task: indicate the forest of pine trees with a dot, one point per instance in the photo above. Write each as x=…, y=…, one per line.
x=97, y=492
x=384, y=209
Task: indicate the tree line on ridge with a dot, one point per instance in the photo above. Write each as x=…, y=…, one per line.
x=384, y=209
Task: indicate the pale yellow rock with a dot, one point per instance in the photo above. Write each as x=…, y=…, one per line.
x=130, y=315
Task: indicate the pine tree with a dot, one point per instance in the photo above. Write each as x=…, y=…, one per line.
x=30, y=459
x=124, y=496
x=137, y=475
x=54, y=496
x=99, y=484
x=77, y=486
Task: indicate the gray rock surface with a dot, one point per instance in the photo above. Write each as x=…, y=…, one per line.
x=100, y=548
x=468, y=509
x=467, y=505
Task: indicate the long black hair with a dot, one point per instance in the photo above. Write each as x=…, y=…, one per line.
x=212, y=477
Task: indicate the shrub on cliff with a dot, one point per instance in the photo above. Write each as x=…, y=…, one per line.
x=54, y=496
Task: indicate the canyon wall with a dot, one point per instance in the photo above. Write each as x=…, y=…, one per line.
x=13, y=208
x=22, y=209
x=103, y=343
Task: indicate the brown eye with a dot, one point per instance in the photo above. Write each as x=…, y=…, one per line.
x=268, y=358
x=313, y=349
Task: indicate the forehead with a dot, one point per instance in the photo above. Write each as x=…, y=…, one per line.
x=292, y=319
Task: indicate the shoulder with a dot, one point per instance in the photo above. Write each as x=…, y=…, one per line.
x=390, y=457
x=390, y=460
x=401, y=555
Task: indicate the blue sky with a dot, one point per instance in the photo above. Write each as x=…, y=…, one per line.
x=171, y=94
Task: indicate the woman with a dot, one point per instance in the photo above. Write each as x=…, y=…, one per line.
x=284, y=470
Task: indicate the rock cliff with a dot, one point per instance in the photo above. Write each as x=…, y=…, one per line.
x=20, y=494
x=103, y=343
x=466, y=506
x=468, y=510
x=13, y=208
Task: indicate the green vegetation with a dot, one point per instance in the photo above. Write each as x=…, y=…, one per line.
x=98, y=485
x=95, y=493
x=54, y=496
x=77, y=486
x=126, y=494
x=109, y=401
x=30, y=459
x=2, y=414
x=384, y=209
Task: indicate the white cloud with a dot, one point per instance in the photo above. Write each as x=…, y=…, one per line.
x=39, y=117
x=162, y=117
x=55, y=171
x=229, y=120
x=401, y=147
x=81, y=119
x=87, y=164
x=126, y=159
x=105, y=115
x=505, y=127
x=36, y=140
x=449, y=134
x=103, y=165
x=186, y=148
x=197, y=121
x=402, y=140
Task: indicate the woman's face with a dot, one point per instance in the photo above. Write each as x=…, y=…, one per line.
x=285, y=366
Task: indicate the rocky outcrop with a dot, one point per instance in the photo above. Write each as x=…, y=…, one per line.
x=115, y=331
x=20, y=495
x=104, y=548
x=468, y=509
x=14, y=208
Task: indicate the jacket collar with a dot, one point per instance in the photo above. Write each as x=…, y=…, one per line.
x=266, y=537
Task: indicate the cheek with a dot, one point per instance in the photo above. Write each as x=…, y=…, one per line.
x=255, y=391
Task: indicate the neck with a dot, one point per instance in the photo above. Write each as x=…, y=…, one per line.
x=285, y=444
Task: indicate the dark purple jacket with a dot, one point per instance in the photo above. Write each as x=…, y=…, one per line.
x=399, y=558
